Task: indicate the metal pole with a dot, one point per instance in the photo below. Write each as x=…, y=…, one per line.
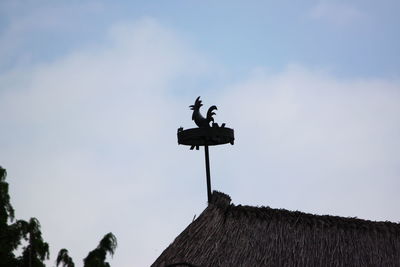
x=208, y=173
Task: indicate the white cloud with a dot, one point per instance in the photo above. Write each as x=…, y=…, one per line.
x=337, y=13
x=326, y=143
x=31, y=28
x=89, y=141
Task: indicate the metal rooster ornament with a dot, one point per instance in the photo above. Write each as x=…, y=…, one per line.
x=205, y=135
x=198, y=118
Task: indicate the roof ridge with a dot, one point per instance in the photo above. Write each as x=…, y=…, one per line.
x=222, y=202
x=228, y=235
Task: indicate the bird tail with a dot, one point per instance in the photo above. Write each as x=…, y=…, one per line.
x=210, y=113
x=197, y=104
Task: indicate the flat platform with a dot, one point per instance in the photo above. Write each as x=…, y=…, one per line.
x=210, y=136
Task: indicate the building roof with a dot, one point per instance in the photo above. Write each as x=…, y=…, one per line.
x=229, y=235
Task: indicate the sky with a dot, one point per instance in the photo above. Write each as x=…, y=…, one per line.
x=92, y=94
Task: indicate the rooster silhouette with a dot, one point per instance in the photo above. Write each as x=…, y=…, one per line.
x=198, y=118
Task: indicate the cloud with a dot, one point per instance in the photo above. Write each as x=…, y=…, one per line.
x=89, y=138
x=29, y=30
x=337, y=13
x=304, y=136
x=89, y=141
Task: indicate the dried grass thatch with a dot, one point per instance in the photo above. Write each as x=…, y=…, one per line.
x=229, y=235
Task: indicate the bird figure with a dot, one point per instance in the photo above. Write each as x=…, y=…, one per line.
x=198, y=118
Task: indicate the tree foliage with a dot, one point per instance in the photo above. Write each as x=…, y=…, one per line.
x=10, y=234
x=97, y=257
x=36, y=250
x=6, y=210
x=64, y=259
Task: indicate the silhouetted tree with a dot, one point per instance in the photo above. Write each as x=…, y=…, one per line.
x=97, y=257
x=10, y=235
x=36, y=251
x=64, y=259
x=6, y=210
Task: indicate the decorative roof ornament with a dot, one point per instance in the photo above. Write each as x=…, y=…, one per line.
x=198, y=118
x=205, y=135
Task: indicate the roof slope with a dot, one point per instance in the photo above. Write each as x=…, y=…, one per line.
x=229, y=235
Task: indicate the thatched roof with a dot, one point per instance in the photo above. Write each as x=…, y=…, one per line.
x=229, y=235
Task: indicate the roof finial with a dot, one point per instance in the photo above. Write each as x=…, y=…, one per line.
x=198, y=118
x=206, y=135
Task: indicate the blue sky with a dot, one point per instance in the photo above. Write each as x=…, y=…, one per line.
x=352, y=38
x=92, y=93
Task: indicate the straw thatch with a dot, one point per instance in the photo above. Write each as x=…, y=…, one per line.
x=229, y=235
